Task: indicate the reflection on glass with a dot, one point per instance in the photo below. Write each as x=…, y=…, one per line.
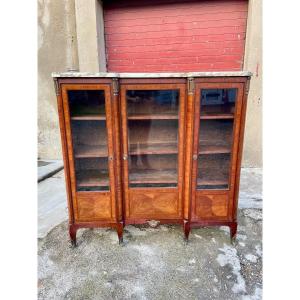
x=89, y=137
x=153, y=137
x=91, y=102
x=92, y=174
x=215, y=138
x=218, y=103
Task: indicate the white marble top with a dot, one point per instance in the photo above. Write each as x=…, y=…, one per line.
x=152, y=75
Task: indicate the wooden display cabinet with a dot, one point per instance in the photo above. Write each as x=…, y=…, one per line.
x=152, y=147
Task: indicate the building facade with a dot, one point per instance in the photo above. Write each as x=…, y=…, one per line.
x=149, y=36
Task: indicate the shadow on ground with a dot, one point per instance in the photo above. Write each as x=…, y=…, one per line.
x=153, y=263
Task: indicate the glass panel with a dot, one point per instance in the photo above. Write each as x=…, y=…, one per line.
x=215, y=138
x=217, y=103
x=89, y=136
x=82, y=102
x=153, y=137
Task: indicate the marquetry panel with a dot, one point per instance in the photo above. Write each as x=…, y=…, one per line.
x=211, y=206
x=154, y=204
x=92, y=206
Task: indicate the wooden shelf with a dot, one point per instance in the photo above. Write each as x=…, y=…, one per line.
x=211, y=149
x=151, y=110
x=206, y=182
x=216, y=116
x=152, y=176
x=153, y=148
x=213, y=170
x=215, y=137
x=89, y=118
x=92, y=177
x=212, y=177
x=217, y=112
x=158, y=132
x=153, y=117
x=85, y=151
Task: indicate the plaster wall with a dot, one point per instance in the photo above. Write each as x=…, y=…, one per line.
x=90, y=35
x=252, y=155
x=71, y=36
x=57, y=51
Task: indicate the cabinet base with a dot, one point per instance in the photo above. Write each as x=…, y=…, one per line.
x=186, y=229
x=187, y=226
x=74, y=227
x=232, y=226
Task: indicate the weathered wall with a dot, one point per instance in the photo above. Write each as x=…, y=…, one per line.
x=252, y=156
x=58, y=33
x=90, y=35
x=57, y=51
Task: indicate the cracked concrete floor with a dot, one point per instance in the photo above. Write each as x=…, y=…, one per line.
x=152, y=263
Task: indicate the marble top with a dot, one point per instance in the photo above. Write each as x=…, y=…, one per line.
x=152, y=75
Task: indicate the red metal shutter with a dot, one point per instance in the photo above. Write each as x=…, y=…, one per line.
x=175, y=36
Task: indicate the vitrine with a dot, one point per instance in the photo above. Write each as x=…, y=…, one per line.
x=159, y=148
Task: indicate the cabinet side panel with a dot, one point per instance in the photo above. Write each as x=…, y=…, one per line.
x=235, y=167
x=64, y=150
x=240, y=150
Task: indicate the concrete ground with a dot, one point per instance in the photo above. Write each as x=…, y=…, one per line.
x=152, y=263
x=47, y=168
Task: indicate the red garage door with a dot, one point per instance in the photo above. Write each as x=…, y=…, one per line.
x=160, y=36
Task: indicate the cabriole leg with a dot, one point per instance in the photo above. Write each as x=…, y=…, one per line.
x=72, y=232
x=233, y=231
x=120, y=232
x=187, y=229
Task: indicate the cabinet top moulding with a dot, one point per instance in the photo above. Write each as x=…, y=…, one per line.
x=152, y=75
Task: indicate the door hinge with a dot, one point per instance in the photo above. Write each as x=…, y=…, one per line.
x=56, y=86
x=115, y=86
x=191, y=86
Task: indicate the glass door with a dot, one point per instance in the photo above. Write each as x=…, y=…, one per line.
x=217, y=107
x=88, y=108
x=152, y=137
x=152, y=146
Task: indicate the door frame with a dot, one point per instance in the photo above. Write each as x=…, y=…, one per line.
x=149, y=85
x=217, y=84
x=65, y=87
